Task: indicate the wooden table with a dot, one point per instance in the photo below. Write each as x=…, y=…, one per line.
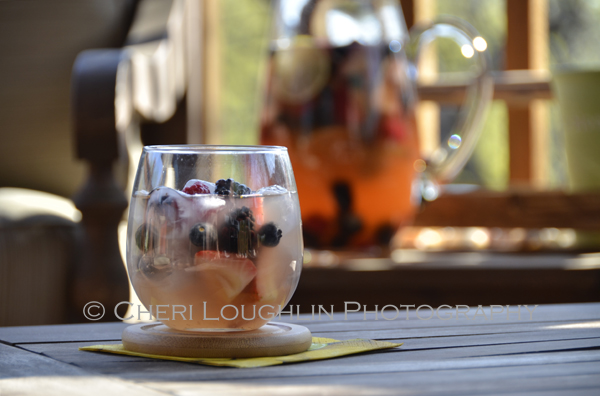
x=555, y=351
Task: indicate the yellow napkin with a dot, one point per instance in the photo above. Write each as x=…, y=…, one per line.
x=321, y=348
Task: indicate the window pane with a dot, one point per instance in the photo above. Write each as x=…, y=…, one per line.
x=244, y=38
x=574, y=28
x=574, y=32
x=488, y=17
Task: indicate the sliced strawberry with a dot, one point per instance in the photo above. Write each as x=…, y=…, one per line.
x=230, y=274
x=249, y=295
x=196, y=187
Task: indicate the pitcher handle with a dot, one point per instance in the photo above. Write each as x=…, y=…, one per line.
x=451, y=156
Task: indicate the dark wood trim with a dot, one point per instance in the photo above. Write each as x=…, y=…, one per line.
x=516, y=87
x=444, y=284
x=514, y=209
x=517, y=35
x=408, y=9
x=100, y=275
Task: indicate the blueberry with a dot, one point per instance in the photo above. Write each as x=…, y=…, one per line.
x=269, y=235
x=203, y=236
x=145, y=237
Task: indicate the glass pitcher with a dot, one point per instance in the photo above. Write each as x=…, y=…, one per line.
x=341, y=96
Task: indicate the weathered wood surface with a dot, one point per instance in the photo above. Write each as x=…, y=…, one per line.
x=555, y=350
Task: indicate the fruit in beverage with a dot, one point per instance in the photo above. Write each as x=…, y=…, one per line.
x=209, y=252
x=145, y=237
x=229, y=274
x=269, y=235
x=231, y=187
x=196, y=187
x=204, y=236
x=237, y=233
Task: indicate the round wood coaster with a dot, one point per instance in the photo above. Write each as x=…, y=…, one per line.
x=272, y=339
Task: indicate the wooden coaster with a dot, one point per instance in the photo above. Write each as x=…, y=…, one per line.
x=273, y=339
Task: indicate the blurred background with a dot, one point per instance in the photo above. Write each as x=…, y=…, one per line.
x=198, y=71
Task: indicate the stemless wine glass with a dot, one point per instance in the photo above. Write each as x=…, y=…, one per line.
x=214, y=240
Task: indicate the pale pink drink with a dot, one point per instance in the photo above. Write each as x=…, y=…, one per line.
x=221, y=256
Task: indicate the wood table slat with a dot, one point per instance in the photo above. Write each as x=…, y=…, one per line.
x=359, y=365
x=75, y=386
x=390, y=335
x=468, y=383
x=543, y=313
x=62, y=333
x=473, y=381
x=16, y=362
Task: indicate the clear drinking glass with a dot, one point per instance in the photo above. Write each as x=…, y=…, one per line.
x=214, y=240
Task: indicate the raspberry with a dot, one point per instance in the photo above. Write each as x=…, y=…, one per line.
x=231, y=187
x=197, y=188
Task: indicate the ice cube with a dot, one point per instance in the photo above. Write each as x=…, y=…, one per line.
x=141, y=193
x=271, y=190
x=139, y=204
x=173, y=214
x=283, y=210
x=169, y=203
x=155, y=268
